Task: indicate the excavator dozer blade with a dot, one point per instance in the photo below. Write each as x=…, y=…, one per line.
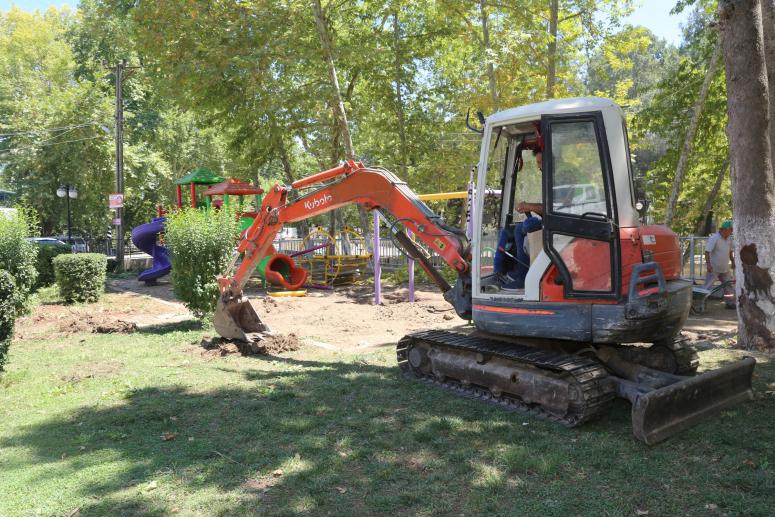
x=236, y=319
x=663, y=412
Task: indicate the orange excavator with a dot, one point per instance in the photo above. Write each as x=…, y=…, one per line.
x=573, y=300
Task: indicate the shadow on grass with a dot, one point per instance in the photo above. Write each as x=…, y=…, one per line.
x=344, y=438
x=175, y=326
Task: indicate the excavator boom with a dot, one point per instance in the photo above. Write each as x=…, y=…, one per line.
x=349, y=183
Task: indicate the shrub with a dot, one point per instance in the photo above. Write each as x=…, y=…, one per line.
x=81, y=276
x=201, y=244
x=45, y=266
x=7, y=314
x=17, y=255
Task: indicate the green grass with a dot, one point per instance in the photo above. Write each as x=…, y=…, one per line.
x=82, y=420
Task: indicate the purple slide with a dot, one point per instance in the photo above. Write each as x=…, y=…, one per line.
x=144, y=237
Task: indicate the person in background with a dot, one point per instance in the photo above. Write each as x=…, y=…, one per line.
x=718, y=256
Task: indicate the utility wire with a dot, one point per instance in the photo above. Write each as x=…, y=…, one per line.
x=48, y=130
x=49, y=144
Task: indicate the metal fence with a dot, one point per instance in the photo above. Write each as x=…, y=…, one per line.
x=108, y=247
x=390, y=257
x=693, y=264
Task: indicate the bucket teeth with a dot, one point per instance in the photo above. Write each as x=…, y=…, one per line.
x=236, y=319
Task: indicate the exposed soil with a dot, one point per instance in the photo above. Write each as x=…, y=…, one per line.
x=343, y=319
x=61, y=321
x=99, y=324
x=270, y=345
x=717, y=326
x=348, y=318
x=114, y=313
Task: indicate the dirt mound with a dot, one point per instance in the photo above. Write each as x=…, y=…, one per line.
x=102, y=324
x=271, y=345
x=280, y=343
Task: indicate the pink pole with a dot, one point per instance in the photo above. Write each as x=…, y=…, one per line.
x=470, y=212
x=308, y=250
x=410, y=265
x=377, y=266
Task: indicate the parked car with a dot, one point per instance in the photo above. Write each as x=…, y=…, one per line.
x=46, y=241
x=78, y=244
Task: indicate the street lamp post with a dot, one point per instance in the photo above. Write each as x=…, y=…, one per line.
x=68, y=191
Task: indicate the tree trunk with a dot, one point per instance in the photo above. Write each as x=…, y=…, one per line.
x=338, y=103
x=691, y=131
x=551, y=54
x=328, y=56
x=282, y=151
x=487, y=54
x=768, y=27
x=399, y=98
x=722, y=173
x=753, y=184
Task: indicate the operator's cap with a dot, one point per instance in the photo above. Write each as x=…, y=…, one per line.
x=726, y=225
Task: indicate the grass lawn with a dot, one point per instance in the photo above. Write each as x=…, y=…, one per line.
x=143, y=424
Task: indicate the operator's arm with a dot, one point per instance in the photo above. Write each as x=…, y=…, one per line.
x=707, y=262
x=732, y=257
x=537, y=208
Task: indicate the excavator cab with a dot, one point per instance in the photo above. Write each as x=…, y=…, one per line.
x=579, y=273
x=581, y=252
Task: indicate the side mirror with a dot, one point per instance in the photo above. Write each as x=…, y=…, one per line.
x=481, y=119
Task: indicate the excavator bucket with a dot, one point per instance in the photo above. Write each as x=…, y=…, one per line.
x=236, y=319
x=662, y=412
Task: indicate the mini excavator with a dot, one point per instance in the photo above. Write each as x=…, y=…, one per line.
x=594, y=311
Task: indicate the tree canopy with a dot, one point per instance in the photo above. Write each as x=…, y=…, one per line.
x=246, y=89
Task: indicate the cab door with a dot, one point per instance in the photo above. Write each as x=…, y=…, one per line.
x=581, y=233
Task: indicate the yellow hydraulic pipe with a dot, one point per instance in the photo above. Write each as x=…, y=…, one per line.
x=443, y=195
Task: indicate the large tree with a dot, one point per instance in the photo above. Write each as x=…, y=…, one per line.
x=663, y=143
x=51, y=122
x=750, y=129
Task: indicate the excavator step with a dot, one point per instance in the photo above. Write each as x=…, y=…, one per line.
x=561, y=388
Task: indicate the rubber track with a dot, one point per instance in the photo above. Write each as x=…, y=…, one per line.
x=596, y=389
x=685, y=355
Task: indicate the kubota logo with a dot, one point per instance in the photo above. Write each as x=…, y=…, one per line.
x=315, y=203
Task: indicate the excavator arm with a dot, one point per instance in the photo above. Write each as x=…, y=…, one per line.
x=349, y=183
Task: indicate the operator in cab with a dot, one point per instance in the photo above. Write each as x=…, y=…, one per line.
x=512, y=260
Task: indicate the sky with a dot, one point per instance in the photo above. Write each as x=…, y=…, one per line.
x=654, y=14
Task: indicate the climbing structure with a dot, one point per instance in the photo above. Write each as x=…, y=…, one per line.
x=199, y=176
x=336, y=260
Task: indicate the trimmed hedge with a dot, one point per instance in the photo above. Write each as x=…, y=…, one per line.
x=81, y=276
x=201, y=244
x=18, y=255
x=7, y=314
x=45, y=266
